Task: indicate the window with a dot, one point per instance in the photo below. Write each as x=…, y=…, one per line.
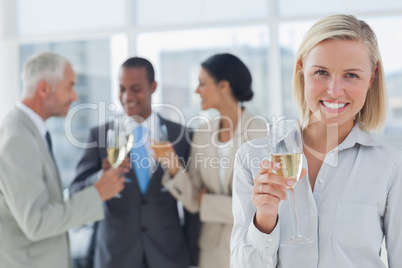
x=56, y=17
x=390, y=43
x=290, y=36
x=177, y=56
x=185, y=12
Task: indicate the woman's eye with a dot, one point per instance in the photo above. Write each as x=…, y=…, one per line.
x=321, y=72
x=352, y=75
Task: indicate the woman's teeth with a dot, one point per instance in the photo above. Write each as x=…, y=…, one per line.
x=334, y=105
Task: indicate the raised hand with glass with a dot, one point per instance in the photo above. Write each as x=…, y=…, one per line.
x=118, y=145
x=286, y=150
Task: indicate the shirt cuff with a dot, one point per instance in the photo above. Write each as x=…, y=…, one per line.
x=99, y=175
x=268, y=243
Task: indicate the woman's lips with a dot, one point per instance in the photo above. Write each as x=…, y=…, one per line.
x=334, y=107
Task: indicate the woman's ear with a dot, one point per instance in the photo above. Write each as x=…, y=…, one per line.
x=300, y=64
x=224, y=86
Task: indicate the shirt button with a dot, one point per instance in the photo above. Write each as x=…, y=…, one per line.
x=321, y=181
x=269, y=239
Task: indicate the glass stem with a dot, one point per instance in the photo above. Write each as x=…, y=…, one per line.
x=291, y=196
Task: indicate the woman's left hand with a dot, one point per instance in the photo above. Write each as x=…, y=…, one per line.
x=166, y=155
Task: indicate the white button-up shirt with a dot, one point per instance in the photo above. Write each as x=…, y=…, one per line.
x=357, y=200
x=153, y=132
x=151, y=124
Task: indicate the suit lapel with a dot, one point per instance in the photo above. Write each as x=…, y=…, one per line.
x=134, y=181
x=42, y=146
x=155, y=180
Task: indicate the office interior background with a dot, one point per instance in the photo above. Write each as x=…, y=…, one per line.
x=176, y=36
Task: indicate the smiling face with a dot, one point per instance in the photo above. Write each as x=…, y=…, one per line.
x=337, y=75
x=136, y=91
x=208, y=89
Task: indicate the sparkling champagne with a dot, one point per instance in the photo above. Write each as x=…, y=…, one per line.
x=161, y=148
x=116, y=155
x=291, y=165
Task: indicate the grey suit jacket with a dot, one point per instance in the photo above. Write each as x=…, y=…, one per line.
x=34, y=219
x=138, y=226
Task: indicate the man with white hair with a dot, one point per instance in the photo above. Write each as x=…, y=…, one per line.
x=34, y=218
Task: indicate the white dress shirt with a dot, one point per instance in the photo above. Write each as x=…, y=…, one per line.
x=356, y=202
x=153, y=132
x=224, y=150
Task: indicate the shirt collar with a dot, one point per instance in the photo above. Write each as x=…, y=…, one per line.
x=151, y=123
x=36, y=119
x=359, y=136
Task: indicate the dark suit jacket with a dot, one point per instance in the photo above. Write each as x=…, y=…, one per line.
x=140, y=226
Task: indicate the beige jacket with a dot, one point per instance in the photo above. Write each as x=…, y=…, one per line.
x=203, y=171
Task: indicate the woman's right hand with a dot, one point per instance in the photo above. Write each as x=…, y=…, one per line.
x=167, y=156
x=268, y=190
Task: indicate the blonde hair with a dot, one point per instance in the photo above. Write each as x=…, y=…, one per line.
x=372, y=116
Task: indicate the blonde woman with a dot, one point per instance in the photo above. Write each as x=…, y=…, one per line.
x=351, y=194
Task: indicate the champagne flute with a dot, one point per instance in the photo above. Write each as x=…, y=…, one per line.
x=161, y=145
x=161, y=148
x=116, y=146
x=286, y=148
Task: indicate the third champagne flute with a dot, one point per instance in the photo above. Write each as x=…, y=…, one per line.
x=286, y=148
x=161, y=146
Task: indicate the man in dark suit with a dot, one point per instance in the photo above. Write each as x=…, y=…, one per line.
x=142, y=228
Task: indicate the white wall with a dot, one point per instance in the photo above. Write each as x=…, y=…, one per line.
x=9, y=83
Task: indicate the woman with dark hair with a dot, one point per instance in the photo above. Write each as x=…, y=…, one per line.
x=206, y=185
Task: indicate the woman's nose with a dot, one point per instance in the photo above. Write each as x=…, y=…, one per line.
x=335, y=88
